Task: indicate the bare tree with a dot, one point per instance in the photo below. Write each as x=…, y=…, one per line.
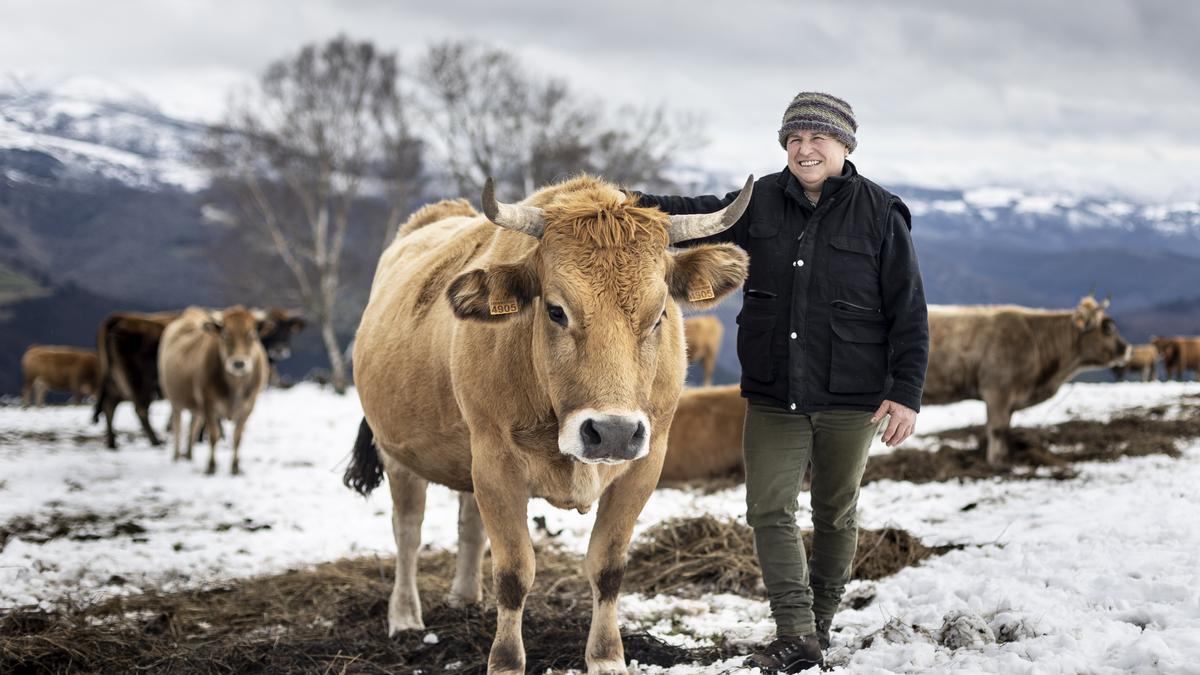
x=491, y=117
x=322, y=133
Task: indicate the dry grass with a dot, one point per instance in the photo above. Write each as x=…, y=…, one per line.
x=333, y=618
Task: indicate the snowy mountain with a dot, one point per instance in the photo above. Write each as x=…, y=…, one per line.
x=90, y=128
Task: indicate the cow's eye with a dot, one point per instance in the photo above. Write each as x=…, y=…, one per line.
x=660, y=319
x=556, y=314
x=1109, y=327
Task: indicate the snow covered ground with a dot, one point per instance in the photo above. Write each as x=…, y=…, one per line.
x=1098, y=574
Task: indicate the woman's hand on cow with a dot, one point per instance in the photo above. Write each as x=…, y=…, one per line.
x=903, y=421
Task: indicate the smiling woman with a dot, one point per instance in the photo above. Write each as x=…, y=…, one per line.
x=832, y=337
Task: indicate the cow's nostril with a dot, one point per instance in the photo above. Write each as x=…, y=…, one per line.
x=591, y=437
x=640, y=433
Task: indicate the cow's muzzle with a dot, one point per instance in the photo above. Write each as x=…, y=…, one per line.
x=608, y=437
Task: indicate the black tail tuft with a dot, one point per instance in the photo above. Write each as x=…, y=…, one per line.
x=365, y=472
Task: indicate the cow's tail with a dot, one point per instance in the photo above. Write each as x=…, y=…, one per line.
x=365, y=472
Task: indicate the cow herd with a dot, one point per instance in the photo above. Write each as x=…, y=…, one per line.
x=210, y=363
x=539, y=349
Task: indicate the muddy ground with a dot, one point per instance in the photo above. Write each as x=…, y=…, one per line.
x=333, y=618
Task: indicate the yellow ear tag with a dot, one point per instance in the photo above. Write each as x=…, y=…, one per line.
x=701, y=290
x=504, y=307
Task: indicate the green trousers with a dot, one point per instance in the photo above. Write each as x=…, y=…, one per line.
x=779, y=447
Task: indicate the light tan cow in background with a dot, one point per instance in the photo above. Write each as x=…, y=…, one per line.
x=541, y=358
x=58, y=368
x=1143, y=360
x=212, y=365
x=703, y=335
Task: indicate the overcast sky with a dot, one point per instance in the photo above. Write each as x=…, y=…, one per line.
x=1088, y=96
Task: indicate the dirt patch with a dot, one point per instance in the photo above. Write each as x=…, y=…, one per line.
x=85, y=526
x=22, y=437
x=334, y=618
x=1041, y=452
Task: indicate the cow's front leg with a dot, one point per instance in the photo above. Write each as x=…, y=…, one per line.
x=999, y=416
x=472, y=539
x=619, y=508
x=408, y=513
x=503, y=500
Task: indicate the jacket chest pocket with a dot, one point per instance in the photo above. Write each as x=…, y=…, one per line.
x=858, y=353
x=853, y=261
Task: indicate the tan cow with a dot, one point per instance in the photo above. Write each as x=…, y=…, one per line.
x=212, y=365
x=1180, y=354
x=703, y=336
x=1014, y=357
x=53, y=367
x=542, y=358
x=1143, y=360
x=706, y=436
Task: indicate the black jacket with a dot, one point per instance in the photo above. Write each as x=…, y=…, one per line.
x=833, y=310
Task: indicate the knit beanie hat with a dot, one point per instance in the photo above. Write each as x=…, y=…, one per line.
x=814, y=111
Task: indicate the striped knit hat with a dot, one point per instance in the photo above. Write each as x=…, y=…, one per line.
x=814, y=111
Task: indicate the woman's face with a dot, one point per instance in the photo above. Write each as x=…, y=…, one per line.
x=814, y=156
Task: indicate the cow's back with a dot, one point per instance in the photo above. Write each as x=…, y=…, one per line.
x=706, y=434
x=403, y=347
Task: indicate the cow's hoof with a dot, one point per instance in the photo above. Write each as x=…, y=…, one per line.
x=397, y=626
x=607, y=668
x=212, y=468
x=234, y=470
x=458, y=601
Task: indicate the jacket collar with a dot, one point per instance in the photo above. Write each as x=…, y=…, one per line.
x=788, y=183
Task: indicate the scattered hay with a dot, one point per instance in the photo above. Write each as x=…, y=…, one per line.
x=333, y=618
x=1039, y=452
x=708, y=555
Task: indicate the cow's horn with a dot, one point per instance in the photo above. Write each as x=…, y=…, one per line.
x=696, y=226
x=525, y=219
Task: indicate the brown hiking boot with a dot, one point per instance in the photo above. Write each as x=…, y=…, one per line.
x=787, y=654
x=823, y=626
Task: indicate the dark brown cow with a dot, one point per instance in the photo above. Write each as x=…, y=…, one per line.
x=703, y=335
x=1014, y=357
x=1143, y=360
x=128, y=351
x=57, y=368
x=1180, y=354
x=706, y=437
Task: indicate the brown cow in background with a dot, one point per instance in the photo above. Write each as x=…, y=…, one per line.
x=212, y=365
x=1180, y=354
x=1143, y=359
x=128, y=350
x=705, y=440
x=1014, y=357
x=703, y=335
x=53, y=367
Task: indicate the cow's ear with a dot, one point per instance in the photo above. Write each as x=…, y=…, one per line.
x=212, y=327
x=701, y=276
x=495, y=293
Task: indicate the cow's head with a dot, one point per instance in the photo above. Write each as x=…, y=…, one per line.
x=276, y=337
x=601, y=295
x=1099, y=342
x=237, y=330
